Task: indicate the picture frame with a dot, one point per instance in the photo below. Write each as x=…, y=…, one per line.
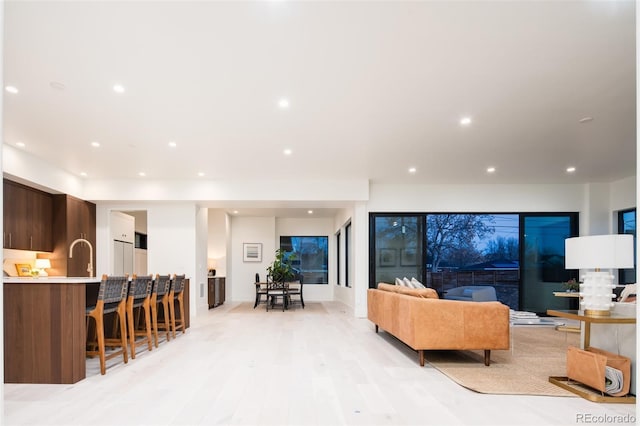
x=387, y=257
x=408, y=257
x=252, y=252
x=24, y=269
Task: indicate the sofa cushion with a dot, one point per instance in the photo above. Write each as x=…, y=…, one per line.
x=425, y=293
x=416, y=283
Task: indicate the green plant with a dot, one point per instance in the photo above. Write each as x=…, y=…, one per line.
x=572, y=285
x=280, y=269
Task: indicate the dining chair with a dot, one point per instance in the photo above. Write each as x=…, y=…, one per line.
x=295, y=291
x=112, y=297
x=277, y=290
x=261, y=290
x=176, y=297
x=160, y=299
x=139, y=301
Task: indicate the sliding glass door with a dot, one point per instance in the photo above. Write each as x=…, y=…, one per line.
x=396, y=248
x=542, y=254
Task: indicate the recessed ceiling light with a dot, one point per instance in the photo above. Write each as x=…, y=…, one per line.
x=585, y=119
x=310, y=211
x=142, y=174
x=83, y=174
x=465, y=121
x=118, y=88
x=235, y=212
x=200, y=174
x=11, y=89
x=412, y=170
x=491, y=169
x=287, y=152
x=571, y=169
x=20, y=144
x=173, y=144
x=95, y=144
x=283, y=103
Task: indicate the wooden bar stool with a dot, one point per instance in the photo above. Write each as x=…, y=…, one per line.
x=160, y=298
x=176, y=295
x=111, y=298
x=139, y=297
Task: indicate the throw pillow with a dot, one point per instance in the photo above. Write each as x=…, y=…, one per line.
x=407, y=282
x=416, y=283
x=400, y=282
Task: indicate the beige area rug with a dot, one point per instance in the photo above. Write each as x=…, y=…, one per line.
x=537, y=353
x=309, y=307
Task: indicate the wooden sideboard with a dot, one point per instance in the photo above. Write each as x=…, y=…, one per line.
x=216, y=291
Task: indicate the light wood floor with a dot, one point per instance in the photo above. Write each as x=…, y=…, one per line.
x=318, y=366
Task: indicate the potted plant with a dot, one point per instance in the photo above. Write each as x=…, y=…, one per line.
x=572, y=285
x=280, y=269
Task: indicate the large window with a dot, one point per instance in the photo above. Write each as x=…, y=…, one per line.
x=447, y=250
x=311, y=261
x=347, y=254
x=338, y=259
x=627, y=225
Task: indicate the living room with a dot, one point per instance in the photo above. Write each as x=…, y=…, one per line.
x=374, y=124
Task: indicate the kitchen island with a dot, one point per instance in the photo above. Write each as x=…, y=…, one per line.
x=45, y=328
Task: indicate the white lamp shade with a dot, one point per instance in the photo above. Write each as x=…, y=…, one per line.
x=43, y=263
x=599, y=251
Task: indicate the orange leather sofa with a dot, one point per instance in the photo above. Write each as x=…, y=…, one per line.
x=423, y=321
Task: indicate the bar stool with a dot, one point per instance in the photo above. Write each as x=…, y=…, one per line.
x=176, y=294
x=111, y=298
x=160, y=298
x=139, y=297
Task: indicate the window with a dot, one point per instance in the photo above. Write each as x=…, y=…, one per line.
x=338, y=260
x=446, y=250
x=311, y=261
x=347, y=257
x=627, y=225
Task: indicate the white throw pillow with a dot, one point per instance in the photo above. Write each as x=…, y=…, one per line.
x=399, y=282
x=416, y=283
x=407, y=282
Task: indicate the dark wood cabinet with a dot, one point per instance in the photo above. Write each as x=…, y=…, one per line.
x=216, y=291
x=72, y=219
x=27, y=218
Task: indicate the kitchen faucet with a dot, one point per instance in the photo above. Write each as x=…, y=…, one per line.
x=90, y=266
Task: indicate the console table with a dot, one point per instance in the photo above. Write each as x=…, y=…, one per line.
x=574, y=387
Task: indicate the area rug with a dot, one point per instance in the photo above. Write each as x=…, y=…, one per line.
x=536, y=354
x=309, y=307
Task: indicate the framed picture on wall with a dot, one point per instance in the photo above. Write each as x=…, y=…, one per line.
x=387, y=257
x=408, y=257
x=252, y=252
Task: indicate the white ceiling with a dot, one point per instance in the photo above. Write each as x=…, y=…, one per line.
x=374, y=88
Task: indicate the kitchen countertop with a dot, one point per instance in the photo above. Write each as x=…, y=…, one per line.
x=53, y=280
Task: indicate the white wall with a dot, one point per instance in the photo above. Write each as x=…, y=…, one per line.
x=216, y=243
x=475, y=198
x=311, y=227
x=240, y=282
x=202, y=219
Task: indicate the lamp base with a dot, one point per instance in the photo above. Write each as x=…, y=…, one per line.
x=596, y=293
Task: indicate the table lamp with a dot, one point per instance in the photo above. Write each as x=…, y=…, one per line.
x=598, y=252
x=41, y=265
